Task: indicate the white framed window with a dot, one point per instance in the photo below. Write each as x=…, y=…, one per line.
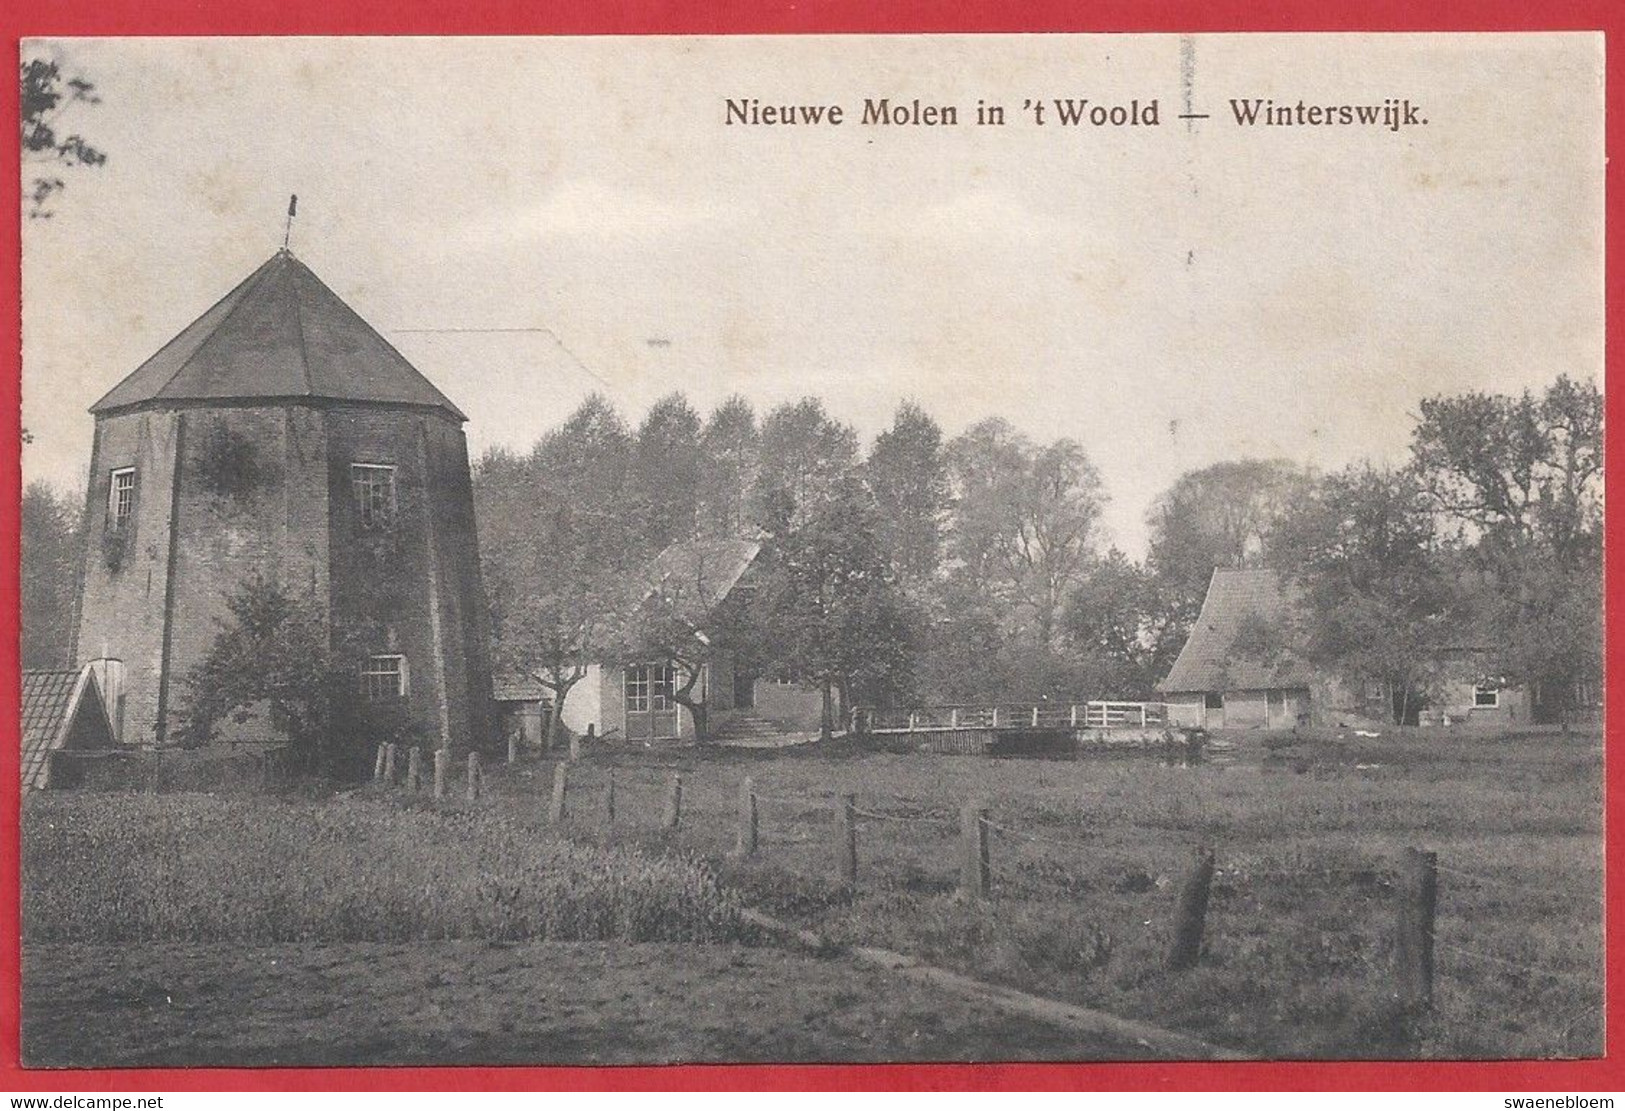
x=385, y=679
x=1486, y=696
x=120, y=498
x=649, y=687
x=374, y=487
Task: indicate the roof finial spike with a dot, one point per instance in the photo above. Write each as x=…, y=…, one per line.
x=293, y=207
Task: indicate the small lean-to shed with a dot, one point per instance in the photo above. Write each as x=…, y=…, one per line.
x=62, y=709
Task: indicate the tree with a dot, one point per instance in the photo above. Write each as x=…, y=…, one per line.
x=1517, y=481
x=834, y=615
x=1025, y=519
x=1510, y=472
x=50, y=537
x=1225, y=515
x=1378, y=603
x=1117, y=620
x=665, y=473
x=274, y=651
x=908, y=480
x=556, y=545
x=46, y=94
x=806, y=459
x=729, y=455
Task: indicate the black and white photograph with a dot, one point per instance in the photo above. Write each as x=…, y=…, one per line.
x=853, y=549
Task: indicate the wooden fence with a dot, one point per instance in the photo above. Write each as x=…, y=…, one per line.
x=1414, y=878
x=1043, y=715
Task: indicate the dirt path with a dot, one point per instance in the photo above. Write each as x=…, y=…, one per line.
x=477, y=1003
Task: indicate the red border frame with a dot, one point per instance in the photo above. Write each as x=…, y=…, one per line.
x=575, y=17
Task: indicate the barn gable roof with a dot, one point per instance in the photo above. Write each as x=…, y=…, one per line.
x=53, y=701
x=711, y=569
x=281, y=333
x=699, y=574
x=1210, y=659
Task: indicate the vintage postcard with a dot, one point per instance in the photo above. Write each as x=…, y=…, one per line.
x=811, y=549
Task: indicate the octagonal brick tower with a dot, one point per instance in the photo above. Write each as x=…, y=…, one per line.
x=280, y=435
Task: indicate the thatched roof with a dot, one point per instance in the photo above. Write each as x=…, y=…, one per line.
x=1237, y=598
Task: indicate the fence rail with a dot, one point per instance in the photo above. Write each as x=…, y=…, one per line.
x=1041, y=715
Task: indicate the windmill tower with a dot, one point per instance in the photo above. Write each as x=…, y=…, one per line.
x=280, y=435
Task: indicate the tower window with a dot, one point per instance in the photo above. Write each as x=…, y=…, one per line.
x=384, y=679
x=121, y=498
x=374, y=486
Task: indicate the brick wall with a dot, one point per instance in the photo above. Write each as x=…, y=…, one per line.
x=122, y=600
x=412, y=588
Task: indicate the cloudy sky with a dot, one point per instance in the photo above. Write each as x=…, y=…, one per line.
x=1169, y=296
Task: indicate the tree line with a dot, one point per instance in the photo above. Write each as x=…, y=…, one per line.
x=932, y=569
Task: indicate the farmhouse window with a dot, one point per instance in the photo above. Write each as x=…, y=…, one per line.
x=374, y=486
x=649, y=687
x=1213, y=700
x=385, y=679
x=121, y=497
x=1486, y=696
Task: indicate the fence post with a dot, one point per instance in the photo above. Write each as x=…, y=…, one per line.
x=513, y=747
x=995, y=724
x=846, y=838
x=1192, y=912
x=442, y=758
x=1035, y=717
x=414, y=769
x=913, y=720
x=953, y=718
x=609, y=799
x=746, y=845
x=674, y=802
x=473, y=775
x=975, y=869
x=1072, y=715
x=1413, y=944
x=389, y=763
x=378, y=764
x=555, y=810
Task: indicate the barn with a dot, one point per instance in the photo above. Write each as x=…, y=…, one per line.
x=1229, y=675
x=1215, y=684
x=279, y=435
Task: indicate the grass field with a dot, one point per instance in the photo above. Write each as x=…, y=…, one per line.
x=1299, y=933
x=1086, y=868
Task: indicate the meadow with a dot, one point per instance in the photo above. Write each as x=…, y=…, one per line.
x=1087, y=856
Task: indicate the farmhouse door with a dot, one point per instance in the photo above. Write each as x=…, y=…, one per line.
x=651, y=712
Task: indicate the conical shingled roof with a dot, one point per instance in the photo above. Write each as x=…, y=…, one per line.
x=280, y=334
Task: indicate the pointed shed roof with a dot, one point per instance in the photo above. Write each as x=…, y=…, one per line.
x=1211, y=659
x=282, y=333
x=56, y=705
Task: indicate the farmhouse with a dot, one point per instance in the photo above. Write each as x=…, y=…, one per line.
x=1231, y=673
x=692, y=582
x=280, y=435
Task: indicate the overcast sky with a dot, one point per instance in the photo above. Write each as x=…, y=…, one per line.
x=1169, y=297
